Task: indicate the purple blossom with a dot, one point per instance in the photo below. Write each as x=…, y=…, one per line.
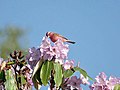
x=102, y=83
x=46, y=49
x=101, y=78
x=113, y=81
x=68, y=64
x=60, y=50
x=33, y=56
x=27, y=72
x=84, y=80
x=73, y=83
x=28, y=77
x=45, y=42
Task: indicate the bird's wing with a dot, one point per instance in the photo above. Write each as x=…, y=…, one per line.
x=60, y=36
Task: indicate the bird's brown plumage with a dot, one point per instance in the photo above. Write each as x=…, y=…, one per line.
x=55, y=36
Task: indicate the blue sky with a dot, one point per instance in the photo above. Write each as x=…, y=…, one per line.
x=93, y=24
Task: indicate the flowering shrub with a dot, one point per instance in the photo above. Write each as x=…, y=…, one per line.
x=102, y=83
x=49, y=65
x=15, y=73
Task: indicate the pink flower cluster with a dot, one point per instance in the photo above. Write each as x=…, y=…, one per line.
x=58, y=51
x=74, y=83
x=102, y=83
x=68, y=64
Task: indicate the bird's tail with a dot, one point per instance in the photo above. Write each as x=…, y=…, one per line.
x=70, y=41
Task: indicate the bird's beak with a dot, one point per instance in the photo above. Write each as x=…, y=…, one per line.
x=47, y=34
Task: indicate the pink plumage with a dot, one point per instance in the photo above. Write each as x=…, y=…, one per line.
x=55, y=36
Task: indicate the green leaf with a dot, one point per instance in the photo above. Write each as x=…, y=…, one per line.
x=36, y=75
x=67, y=73
x=58, y=74
x=37, y=67
x=37, y=81
x=117, y=87
x=23, y=80
x=46, y=72
x=10, y=83
x=83, y=72
x=10, y=63
x=2, y=75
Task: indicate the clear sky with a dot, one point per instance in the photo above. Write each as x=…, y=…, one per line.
x=93, y=24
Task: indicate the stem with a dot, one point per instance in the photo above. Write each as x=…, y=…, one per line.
x=16, y=77
x=14, y=67
x=52, y=83
x=20, y=78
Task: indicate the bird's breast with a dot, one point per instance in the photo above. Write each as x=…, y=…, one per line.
x=54, y=38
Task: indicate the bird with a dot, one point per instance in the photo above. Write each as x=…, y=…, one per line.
x=55, y=36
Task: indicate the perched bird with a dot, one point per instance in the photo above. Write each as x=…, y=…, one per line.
x=55, y=36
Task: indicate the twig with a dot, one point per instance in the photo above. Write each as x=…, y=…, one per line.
x=52, y=83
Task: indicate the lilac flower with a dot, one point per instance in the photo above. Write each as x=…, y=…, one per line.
x=102, y=83
x=68, y=64
x=58, y=51
x=33, y=56
x=61, y=50
x=45, y=42
x=30, y=69
x=46, y=49
x=27, y=72
x=101, y=78
x=113, y=81
x=47, y=53
x=84, y=80
x=73, y=83
x=29, y=80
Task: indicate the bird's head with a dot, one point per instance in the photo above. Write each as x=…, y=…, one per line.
x=49, y=34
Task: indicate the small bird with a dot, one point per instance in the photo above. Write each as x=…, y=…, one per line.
x=55, y=36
